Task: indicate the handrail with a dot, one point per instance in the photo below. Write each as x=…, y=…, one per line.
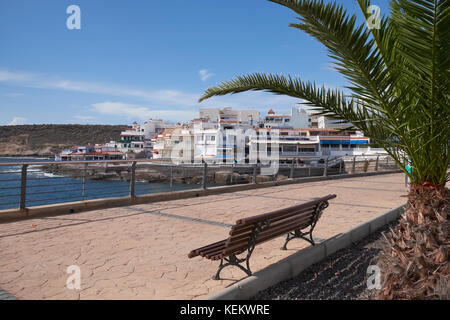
x=26, y=187
x=156, y=161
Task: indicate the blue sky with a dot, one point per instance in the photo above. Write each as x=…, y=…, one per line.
x=138, y=59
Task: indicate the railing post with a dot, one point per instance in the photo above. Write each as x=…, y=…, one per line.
x=171, y=178
x=376, y=164
x=291, y=175
x=23, y=187
x=254, y=173
x=83, y=184
x=133, y=180
x=325, y=170
x=205, y=169
x=354, y=165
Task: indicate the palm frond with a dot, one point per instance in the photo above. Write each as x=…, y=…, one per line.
x=398, y=74
x=350, y=45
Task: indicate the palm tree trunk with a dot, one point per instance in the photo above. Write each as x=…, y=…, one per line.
x=416, y=263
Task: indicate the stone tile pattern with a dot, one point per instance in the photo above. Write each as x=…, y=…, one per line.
x=140, y=252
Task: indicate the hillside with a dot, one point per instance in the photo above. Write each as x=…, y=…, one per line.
x=48, y=139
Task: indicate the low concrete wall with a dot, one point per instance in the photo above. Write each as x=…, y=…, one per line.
x=96, y=204
x=293, y=265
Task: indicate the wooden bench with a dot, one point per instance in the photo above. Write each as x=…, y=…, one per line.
x=252, y=231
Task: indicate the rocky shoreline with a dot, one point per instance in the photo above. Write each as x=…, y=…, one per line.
x=159, y=174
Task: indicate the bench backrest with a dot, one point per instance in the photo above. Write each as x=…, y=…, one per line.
x=265, y=227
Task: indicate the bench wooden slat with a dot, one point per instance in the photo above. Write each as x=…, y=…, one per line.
x=249, y=226
x=196, y=252
x=213, y=249
x=212, y=253
x=264, y=236
x=265, y=216
x=246, y=235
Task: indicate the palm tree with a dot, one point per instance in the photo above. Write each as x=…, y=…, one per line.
x=399, y=96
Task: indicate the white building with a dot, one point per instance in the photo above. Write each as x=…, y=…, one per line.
x=298, y=119
x=322, y=122
x=132, y=139
x=221, y=140
x=138, y=137
x=175, y=144
x=250, y=117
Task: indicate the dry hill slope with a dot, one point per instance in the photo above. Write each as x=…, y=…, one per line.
x=48, y=139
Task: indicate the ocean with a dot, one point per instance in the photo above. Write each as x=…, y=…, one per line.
x=46, y=188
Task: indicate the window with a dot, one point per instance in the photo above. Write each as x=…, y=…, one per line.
x=289, y=149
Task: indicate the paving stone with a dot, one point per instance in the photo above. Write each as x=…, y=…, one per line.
x=140, y=252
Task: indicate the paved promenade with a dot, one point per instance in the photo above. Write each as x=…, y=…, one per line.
x=140, y=252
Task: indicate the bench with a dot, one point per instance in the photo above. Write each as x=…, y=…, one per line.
x=252, y=231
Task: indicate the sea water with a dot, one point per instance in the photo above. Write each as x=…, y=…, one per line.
x=47, y=188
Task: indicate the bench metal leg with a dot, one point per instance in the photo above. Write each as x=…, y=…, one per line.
x=234, y=261
x=302, y=235
x=298, y=235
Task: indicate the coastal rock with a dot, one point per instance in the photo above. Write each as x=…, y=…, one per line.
x=260, y=179
x=236, y=178
x=222, y=177
x=104, y=176
x=151, y=176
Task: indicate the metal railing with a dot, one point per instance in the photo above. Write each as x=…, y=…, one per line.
x=24, y=185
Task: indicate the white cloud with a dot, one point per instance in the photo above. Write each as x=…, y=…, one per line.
x=170, y=101
x=16, y=121
x=205, y=74
x=29, y=80
x=84, y=119
x=6, y=76
x=122, y=109
x=135, y=112
x=13, y=94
